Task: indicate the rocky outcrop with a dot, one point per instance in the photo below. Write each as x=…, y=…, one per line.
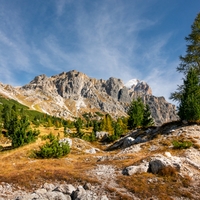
x=73, y=93
x=51, y=192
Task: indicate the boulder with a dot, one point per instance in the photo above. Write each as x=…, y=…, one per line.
x=101, y=135
x=57, y=196
x=79, y=194
x=128, y=141
x=139, y=140
x=48, y=186
x=91, y=151
x=65, y=188
x=135, y=169
x=155, y=166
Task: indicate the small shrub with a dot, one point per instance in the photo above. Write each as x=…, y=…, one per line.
x=90, y=138
x=43, y=137
x=181, y=144
x=51, y=137
x=53, y=149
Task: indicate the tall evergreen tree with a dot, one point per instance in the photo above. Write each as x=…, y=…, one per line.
x=106, y=123
x=139, y=115
x=78, y=125
x=147, y=118
x=192, y=56
x=189, y=108
x=135, y=112
x=6, y=115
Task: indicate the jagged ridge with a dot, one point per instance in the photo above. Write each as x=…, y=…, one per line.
x=72, y=93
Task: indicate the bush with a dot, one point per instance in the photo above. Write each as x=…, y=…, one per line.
x=53, y=149
x=181, y=144
x=90, y=138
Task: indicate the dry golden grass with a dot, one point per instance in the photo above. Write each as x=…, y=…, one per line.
x=147, y=185
x=19, y=168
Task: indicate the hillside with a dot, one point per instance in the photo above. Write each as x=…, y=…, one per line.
x=160, y=162
x=71, y=94
x=149, y=168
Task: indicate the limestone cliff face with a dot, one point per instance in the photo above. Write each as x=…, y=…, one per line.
x=72, y=93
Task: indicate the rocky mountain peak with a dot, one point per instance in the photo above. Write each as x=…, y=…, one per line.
x=137, y=86
x=73, y=93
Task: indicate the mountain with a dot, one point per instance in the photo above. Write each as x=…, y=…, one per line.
x=70, y=94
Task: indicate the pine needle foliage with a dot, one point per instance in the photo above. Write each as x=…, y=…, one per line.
x=192, y=57
x=189, y=108
x=139, y=115
x=53, y=149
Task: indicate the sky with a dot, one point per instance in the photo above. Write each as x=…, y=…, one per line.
x=126, y=39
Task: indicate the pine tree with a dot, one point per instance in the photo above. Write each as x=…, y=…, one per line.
x=147, y=118
x=106, y=123
x=78, y=125
x=95, y=126
x=139, y=115
x=189, y=108
x=192, y=57
x=6, y=114
x=135, y=112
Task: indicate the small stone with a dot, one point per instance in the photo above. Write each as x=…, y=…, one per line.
x=168, y=154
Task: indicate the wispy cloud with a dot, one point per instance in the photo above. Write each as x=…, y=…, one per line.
x=101, y=39
x=162, y=75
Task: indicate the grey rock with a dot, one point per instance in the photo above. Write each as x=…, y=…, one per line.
x=155, y=166
x=110, y=96
x=128, y=141
x=79, y=194
x=41, y=191
x=48, y=186
x=65, y=188
x=87, y=186
x=139, y=140
x=124, y=96
x=91, y=151
x=101, y=135
x=57, y=196
x=113, y=86
x=135, y=169
x=103, y=197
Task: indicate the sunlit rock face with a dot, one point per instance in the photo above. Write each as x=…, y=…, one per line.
x=70, y=94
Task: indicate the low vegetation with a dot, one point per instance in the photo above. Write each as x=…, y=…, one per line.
x=52, y=149
x=181, y=144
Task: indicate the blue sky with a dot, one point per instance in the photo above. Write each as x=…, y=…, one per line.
x=125, y=39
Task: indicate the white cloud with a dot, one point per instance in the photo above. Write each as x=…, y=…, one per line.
x=102, y=40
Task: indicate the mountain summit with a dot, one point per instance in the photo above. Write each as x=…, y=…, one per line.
x=70, y=94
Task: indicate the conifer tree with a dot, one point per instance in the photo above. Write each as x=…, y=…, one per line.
x=106, y=123
x=191, y=58
x=139, y=114
x=135, y=112
x=189, y=108
x=95, y=126
x=78, y=125
x=147, y=118
x=6, y=114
